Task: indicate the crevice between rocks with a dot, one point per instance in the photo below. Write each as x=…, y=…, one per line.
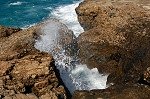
x=142, y=81
x=61, y=81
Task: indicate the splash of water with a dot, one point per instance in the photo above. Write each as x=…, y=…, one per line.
x=67, y=15
x=75, y=76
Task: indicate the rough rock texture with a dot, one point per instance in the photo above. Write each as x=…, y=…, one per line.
x=26, y=73
x=117, y=42
x=16, y=45
x=146, y=76
x=22, y=96
x=117, y=92
x=92, y=13
x=5, y=31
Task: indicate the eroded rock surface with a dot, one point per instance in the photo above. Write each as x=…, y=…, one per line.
x=5, y=31
x=25, y=72
x=117, y=42
x=116, y=92
x=117, y=37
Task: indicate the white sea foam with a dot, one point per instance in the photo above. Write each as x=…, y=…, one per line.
x=16, y=3
x=28, y=26
x=75, y=76
x=88, y=79
x=67, y=15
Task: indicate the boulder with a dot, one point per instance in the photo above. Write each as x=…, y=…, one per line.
x=116, y=38
x=25, y=72
x=117, y=42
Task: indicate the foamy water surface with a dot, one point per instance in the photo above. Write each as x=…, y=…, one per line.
x=67, y=15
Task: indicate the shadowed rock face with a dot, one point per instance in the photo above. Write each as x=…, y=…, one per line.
x=25, y=72
x=5, y=31
x=117, y=92
x=116, y=41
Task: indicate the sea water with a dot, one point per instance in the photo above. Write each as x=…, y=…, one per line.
x=24, y=13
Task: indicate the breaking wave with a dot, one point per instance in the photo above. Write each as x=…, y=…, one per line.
x=67, y=15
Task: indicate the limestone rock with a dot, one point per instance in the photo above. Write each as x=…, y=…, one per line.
x=17, y=45
x=116, y=40
x=60, y=38
x=5, y=67
x=49, y=96
x=5, y=32
x=25, y=70
x=21, y=96
x=32, y=66
x=146, y=76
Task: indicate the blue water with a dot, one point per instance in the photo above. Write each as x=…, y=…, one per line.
x=21, y=13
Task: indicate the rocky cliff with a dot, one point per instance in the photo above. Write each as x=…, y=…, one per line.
x=117, y=42
x=25, y=72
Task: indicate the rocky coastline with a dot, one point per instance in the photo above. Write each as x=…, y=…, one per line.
x=25, y=72
x=116, y=41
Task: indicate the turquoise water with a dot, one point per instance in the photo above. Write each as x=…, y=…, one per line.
x=21, y=13
x=24, y=13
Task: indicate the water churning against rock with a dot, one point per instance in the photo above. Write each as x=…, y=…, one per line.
x=53, y=40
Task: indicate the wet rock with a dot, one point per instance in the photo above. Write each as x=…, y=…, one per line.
x=60, y=38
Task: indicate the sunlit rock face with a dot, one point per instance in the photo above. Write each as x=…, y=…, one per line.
x=25, y=72
x=116, y=40
x=117, y=36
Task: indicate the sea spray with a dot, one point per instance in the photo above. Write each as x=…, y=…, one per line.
x=75, y=76
x=67, y=15
x=16, y=3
